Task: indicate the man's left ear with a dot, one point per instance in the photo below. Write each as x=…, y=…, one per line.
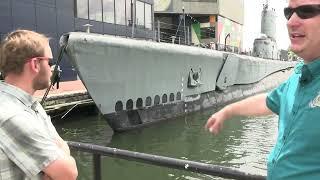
x=34, y=65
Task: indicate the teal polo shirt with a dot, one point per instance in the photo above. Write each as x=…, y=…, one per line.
x=296, y=155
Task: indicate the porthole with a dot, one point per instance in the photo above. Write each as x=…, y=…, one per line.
x=164, y=98
x=119, y=106
x=129, y=105
x=148, y=101
x=139, y=103
x=171, y=97
x=156, y=100
x=178, y=96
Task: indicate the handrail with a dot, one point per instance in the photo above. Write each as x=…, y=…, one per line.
x=180, y=164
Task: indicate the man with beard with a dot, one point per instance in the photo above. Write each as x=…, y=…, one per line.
x=296, y=154
x=30, y=147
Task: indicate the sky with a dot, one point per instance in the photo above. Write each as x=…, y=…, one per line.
x=252, y=22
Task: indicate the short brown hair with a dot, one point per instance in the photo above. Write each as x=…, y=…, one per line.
x=17, y=47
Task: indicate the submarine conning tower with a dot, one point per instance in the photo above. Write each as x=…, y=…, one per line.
x=265, y=46
x=268, y=22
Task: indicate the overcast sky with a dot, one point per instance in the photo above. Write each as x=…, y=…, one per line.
x=252, y=22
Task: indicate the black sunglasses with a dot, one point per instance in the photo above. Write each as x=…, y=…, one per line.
x=50, y=60
x=51, y=63
x=303, y=12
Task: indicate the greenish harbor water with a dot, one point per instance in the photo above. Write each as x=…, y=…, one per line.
x=243, y=144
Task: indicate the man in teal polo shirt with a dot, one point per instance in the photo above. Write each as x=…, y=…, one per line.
x=296, y=155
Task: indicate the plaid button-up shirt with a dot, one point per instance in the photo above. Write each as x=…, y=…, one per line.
x=27, y=136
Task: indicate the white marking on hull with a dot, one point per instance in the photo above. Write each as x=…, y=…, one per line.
x=191, y=99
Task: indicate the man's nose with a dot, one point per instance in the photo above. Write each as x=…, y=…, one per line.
x=294, y=20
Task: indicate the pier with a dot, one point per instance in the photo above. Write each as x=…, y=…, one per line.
x=70, y=95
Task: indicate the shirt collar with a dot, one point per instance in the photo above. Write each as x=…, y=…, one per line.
x=18, y=93
x=308, y=71
x=314, y=67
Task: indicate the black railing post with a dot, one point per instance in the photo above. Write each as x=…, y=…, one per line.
x=97, y=166
x=225, y=41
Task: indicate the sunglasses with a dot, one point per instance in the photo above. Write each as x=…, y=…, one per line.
x=50, y=60
x=303, y=12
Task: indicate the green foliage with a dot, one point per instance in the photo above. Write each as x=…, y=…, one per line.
x=292, y=56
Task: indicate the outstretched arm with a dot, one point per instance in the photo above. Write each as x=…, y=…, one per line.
x=252, y=106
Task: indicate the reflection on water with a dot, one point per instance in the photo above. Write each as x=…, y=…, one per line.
x=243, y=144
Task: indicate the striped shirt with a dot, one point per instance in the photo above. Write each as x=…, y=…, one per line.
x=27, y=143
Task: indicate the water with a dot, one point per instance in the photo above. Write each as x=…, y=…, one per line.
x=243, y=144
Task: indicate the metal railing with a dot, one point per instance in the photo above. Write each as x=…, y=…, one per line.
x=176, y=34
x=192, y=166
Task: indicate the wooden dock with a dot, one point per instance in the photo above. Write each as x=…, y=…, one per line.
x=70, y=95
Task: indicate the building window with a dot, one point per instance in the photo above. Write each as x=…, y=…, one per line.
x=140, y=13
x=128, y=11
x=82, y=9
x=208, y=32
x=115, y=11
x=120, y=12
x=95, y=10
x=148, y=16
x=108, y=11
x=200, y=1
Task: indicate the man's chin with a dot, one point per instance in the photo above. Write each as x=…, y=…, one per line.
x=41, y=86
x=295, y=49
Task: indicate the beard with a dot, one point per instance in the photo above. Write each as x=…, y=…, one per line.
x=41, y=81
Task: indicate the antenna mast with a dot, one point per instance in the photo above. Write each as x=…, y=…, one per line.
x=266, y=5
